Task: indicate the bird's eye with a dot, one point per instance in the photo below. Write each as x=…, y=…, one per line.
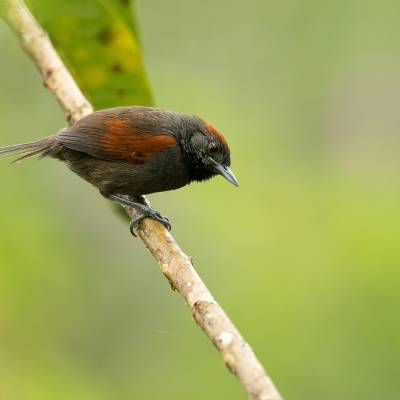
x=212, y=147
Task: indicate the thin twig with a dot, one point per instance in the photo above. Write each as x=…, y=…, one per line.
x=175, y=265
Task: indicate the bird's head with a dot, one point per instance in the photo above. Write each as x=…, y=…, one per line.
x=206, y=151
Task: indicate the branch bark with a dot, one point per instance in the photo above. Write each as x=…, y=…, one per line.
x=174, y=263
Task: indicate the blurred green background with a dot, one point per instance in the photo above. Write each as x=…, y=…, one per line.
x=304, y=255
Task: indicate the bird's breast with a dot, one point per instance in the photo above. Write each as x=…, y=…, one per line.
x=165, y=171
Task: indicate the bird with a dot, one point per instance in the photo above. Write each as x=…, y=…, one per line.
x=131, y=151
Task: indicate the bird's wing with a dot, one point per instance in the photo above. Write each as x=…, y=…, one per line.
x=113, y=136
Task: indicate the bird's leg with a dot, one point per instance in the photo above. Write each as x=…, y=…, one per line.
x=144, y=211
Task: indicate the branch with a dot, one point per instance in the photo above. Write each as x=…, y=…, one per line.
x=175, y=265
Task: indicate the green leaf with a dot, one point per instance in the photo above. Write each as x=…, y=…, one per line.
x=98, y=41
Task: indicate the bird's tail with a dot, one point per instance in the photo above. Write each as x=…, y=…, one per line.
x=25, y=150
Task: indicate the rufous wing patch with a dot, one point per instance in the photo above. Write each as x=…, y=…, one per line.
x=121, y=141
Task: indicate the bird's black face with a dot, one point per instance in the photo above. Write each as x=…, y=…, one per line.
x=208, y=155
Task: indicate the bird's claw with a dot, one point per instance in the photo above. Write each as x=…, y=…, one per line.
x=161, y=218
x=143, y=211
x=152, y=214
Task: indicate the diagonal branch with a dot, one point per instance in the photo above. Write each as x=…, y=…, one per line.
x=175, y=265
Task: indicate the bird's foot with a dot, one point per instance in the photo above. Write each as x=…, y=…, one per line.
x=143, y=211
x=149, y=213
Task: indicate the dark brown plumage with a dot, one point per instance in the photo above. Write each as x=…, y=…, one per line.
x=127, y=152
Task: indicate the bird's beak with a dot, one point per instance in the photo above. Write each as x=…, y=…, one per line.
x=226, y=172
